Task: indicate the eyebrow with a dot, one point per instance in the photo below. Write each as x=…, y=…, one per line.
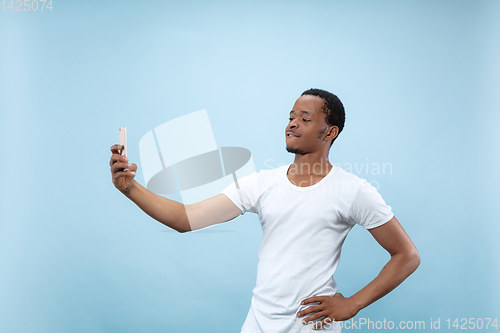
x=302, y=111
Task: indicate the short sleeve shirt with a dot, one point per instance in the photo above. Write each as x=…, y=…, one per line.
x=303, y=232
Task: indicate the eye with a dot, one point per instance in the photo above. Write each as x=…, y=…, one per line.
x=290, y=119
x=306, y=120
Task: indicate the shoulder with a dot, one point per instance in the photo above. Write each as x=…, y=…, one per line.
x=272, y=173
x=261, y=176
x=347, y=180
x=269, y=178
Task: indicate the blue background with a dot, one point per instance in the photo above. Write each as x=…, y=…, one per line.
x=418, y=81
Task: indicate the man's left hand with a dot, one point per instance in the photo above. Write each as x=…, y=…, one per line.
x=335, y=308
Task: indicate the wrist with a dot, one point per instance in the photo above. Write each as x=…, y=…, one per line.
x=129, y=188
x=356, y=303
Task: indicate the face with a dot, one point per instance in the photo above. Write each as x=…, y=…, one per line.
x=307, y=130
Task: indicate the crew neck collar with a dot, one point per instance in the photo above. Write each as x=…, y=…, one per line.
x=307, y=188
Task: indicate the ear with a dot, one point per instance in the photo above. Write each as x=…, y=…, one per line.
x=332, y=133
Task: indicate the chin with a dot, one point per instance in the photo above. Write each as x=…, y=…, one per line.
x=294, y=150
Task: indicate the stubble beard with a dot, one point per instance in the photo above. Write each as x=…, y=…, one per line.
x=295, y=150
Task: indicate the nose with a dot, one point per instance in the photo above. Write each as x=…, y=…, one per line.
x=293, y=124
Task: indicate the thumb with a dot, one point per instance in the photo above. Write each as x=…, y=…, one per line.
x=339, y=295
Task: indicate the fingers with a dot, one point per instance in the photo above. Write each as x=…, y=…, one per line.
x=313, y=299
x=323, y=323
x=311, y=309
x=118, y=162
x=313, y=317
x=117, y=158
x=127, y=173
x=119, y=166
x=115, y=149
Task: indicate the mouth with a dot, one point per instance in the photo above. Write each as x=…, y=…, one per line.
x=291, y=134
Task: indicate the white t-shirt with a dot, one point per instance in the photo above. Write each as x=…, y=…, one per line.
x=303, y=229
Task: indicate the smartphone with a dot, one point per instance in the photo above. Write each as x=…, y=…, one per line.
x=123, y=140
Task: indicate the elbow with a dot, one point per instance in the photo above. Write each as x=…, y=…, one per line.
x=409, y=260
x=179, y=225
x=179, y=229
x=184, y=229
x=413, y=260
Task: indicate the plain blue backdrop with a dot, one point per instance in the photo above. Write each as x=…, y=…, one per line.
x=419, y=82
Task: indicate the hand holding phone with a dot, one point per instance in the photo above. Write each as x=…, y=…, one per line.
x=123, y=177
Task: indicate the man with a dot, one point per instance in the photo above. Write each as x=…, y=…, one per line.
x=306, y=210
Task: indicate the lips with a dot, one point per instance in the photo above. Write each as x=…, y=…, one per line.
x=290, y=133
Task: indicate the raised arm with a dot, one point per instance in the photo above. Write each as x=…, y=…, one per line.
x=171, y=213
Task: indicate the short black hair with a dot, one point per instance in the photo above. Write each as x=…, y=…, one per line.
x=333, y=108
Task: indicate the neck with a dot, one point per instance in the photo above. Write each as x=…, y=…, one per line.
x=307, y=164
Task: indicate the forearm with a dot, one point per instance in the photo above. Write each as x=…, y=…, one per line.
x=169, y=212
x=400, y=266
